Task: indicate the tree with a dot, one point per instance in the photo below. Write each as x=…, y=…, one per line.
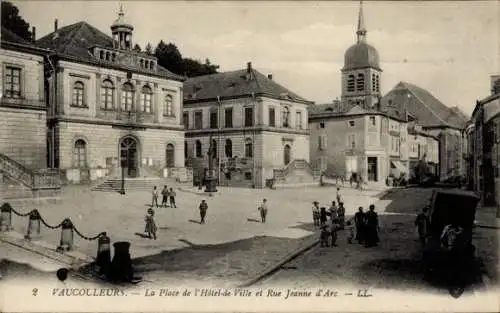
x=137, y=48
x=149, y=49
x=14, y=22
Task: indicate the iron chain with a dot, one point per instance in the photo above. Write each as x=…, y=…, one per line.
x=85, y=237
x=49, y=226
x=21, y=214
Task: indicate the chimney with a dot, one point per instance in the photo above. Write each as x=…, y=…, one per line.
x=33, y=33
x=270, y=76
x=249, y=67
x=55, y=25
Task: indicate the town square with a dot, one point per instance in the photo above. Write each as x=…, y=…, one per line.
x=148, y=156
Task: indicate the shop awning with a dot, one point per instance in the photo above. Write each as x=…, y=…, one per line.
x=399, y=166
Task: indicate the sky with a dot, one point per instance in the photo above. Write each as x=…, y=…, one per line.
x=448, y=48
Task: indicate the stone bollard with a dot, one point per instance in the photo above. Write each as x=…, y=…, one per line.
x=121, y=266
x=66, y=243
x=103, y=259
x=6, y=217
x=33, y=225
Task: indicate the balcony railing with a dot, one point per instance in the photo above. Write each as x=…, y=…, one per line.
x=40, y=179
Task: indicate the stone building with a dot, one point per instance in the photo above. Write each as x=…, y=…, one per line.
x=257, y=129
x=22, y=102
x=484, y=133
x=111, y=108
x=435, y=118
x=422, y=146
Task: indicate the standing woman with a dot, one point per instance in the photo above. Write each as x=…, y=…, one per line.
x=359, y=222
x=372, y=238
x=150, y=228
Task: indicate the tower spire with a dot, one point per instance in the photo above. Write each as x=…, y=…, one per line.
x=361, y=32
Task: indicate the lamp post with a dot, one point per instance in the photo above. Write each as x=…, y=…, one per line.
x=211, y=180
x=123, y=161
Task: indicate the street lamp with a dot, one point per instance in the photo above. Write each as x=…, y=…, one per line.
x=123, y=161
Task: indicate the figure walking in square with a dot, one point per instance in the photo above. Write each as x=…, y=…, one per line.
x=203, y=211
x=263, y=210
x=150, y=228
x=172, y=195
x=155, y=197
x=164, y=199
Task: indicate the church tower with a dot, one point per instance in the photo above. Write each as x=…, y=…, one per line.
x=122, y=32
x=361, y=72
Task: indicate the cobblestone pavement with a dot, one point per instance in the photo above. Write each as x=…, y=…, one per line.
x=394, y=264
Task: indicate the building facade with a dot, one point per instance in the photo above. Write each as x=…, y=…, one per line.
x=422, y=146
x=484, y=134
x=255, y=127
x=22, y=102
x=112, y=110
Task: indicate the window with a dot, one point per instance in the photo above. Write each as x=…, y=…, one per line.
x=198, y=149
x=248, y=175
x=373, y=121
x=78, y=91
x=351, y=141
x=350, y=83
x=322, y=142
x=107, y=93
x=272, y=117
x=248, y=117
x=185, y=149
x=374, y=84
x=228, y=118
x=168, y=105
x=101, y=55
x=286, y=117
x=351, y=123
x=170, y=155
x=321, y=125
x=390, y=102
x=287, y=155
x=298, y=120
x=213, y=119
x=198, y=120
x=146, y=96
x=80, y=154
x=127, y=97
x=12, y=85
x=360, y=82
x=229, y=148
x=108, y=56
x=377, y=86
x=185, y=120
x=248, y=148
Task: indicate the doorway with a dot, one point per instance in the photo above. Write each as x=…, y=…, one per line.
x=286, y=155
x=129, y=156
x=372, y=169
x=170, y=156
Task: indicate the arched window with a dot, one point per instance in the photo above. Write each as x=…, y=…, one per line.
x=146, y=63
x=78, y=92
x=374, y=82
x=350, y=83
x=151, y=65
x=107, y=95
x=286, y=154
x=146, y=102
x=360, y=82
x=114, y=57
x=141, y=62
x=185, y=149
x=198, y=149
x=170, y=155
x=167, y=106
x=108, y=56
x=127, y=97
x=248, y=148
x=229, y=148
x=80, y=154
x=286, y=117
x=101, y=55
x=496, y=87
x=377, y=84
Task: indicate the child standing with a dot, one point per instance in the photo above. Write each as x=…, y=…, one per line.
x=155, y=197
x=263, y=210
x=323, y=237
x=333, y=231
x=315, y=212
x=150, y=228
x=172, y=198
x=350, y=231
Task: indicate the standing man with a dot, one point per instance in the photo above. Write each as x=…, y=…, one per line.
x=359, y=222
x=341, y=215
x=164, y=199
x=155, y=197
x=203, y=211
x=172, y=198
x=339, y=196
x=422, y=222
x=263, y=210
x=332, y=211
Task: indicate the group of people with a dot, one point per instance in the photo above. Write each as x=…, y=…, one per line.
x=167, y=194
x=363, y=227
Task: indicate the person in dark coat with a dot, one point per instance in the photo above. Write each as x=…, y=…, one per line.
x=341, y=215
x=323, y=216
x=359, y=222
x=150, y=227
x=422, y=224
x=371, y=230
x=203, y=211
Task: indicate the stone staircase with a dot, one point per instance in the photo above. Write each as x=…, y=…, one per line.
x=18, y=181
x=298, y=172
x=135, y=184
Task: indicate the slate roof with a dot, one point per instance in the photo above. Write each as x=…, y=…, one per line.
x=427, y=109
x=338, y=110
x=9, y=36
x=9, y=40
x=413, y=131
x=235, y=84
x=75, y=40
